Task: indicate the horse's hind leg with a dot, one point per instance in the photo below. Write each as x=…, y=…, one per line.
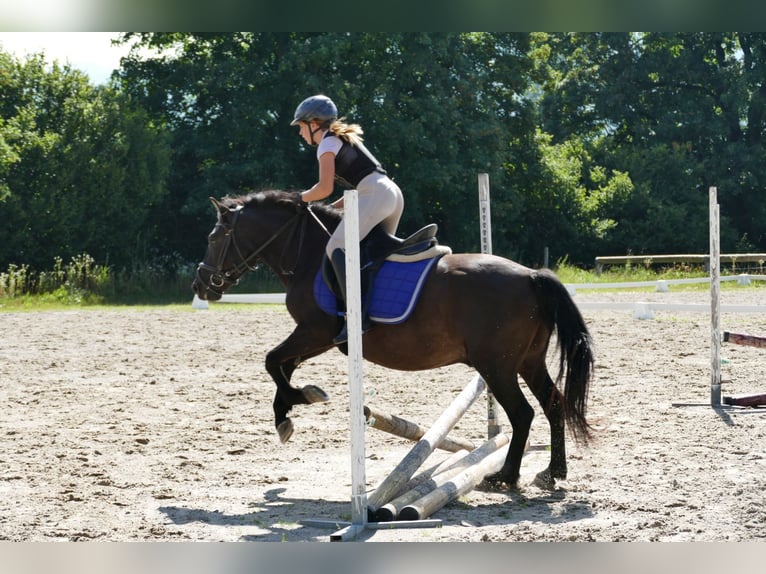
x=520, y=414
x=552, y=402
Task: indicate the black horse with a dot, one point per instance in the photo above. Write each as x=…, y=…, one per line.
x=484, y=311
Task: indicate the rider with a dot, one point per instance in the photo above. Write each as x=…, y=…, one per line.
x=343, y=157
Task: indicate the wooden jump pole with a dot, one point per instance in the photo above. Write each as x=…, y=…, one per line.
x=744, y=339
x=455, y=487
x=392, y=509
x=757, y=400
x=411, y=431
x=426, y=475
x=746, y=400
x=485, y=226
x=425, y=446
x=715, y=301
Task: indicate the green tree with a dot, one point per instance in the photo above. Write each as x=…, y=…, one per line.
x=82, y=168
x=678, y=113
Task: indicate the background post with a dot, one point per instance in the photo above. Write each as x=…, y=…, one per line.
x=485, y=224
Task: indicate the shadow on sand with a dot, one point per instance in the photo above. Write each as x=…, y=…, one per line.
x=278, y=518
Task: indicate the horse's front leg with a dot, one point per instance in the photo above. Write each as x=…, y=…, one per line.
x=281, y=362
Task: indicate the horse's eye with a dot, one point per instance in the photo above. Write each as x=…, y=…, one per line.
x=219, y=231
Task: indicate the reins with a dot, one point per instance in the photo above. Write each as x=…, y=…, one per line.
x=319, y=221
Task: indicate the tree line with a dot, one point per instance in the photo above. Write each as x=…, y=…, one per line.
x=595, y=144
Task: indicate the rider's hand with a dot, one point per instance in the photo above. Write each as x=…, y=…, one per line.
x=298, y=200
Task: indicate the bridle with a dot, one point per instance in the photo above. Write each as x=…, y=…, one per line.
x=219, y=278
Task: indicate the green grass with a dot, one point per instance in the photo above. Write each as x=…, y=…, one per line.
x=82, y=284
x=617, y=274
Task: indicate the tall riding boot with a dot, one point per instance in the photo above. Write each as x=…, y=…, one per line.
x=368, y=276
x=338, y=261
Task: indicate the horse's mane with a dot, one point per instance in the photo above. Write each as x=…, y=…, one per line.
x=282, y=199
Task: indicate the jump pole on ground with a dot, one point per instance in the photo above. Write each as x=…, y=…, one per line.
x=744, y=339
x=472, y=460
x=756, y=400
x=391, y=486
x=485, y=225
x=403, y=428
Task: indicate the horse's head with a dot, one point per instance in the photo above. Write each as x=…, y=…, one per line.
x=217, y=272
x=248, y=229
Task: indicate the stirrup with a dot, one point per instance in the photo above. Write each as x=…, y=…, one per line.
x=342, y=336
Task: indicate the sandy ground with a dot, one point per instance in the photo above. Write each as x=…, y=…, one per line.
x=151, y=424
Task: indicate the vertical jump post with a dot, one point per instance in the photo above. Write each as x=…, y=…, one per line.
x=485, y=225
x=355, y=371
x=715, y=301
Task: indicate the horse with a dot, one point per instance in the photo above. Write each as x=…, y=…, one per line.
x=485, y=311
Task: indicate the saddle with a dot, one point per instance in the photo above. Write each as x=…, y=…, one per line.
x=380, y=246
x=404, y=262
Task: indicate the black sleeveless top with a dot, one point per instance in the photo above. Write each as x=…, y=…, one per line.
x=353, y=163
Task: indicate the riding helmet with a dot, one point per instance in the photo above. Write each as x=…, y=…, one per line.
x=318, y=108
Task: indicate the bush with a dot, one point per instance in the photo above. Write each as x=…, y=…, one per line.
x=81, y=281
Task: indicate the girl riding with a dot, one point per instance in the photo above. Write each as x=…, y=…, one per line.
x=343, y=158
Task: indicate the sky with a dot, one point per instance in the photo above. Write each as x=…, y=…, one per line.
x=90, y=52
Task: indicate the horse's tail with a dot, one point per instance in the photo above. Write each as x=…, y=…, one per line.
x=576, y=360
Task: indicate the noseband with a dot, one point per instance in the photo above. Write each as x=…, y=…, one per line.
x=218, y=277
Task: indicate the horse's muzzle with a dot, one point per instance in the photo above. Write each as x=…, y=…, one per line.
x=209, y=288
x=199, y=289
x=204, y=292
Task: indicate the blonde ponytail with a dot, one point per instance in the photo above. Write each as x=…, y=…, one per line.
x=352, y=133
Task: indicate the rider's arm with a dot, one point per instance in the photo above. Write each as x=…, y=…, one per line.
x=324, y=187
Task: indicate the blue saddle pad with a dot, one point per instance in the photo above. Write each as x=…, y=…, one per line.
x=395, y=291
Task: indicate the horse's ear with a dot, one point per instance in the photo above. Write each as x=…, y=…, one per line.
x=219, y=206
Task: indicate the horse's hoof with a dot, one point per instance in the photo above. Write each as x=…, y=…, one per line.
x=544, y=480
x=285, y=430
x=498, y=479
x=314, y=394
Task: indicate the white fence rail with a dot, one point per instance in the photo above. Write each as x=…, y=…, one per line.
x=641, y=310
x=662, y=284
